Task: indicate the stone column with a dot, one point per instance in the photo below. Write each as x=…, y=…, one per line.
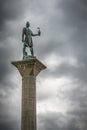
x=29, y=69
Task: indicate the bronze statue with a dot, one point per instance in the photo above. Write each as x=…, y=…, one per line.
x=27, y=39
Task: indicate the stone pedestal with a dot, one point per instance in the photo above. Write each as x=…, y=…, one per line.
x=29, y=69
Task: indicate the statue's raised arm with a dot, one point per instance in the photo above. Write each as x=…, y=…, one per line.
x=27, y=35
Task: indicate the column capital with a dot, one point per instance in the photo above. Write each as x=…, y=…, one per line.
x=30, y=67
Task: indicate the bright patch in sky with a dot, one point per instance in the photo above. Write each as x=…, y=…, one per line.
x=51, y=94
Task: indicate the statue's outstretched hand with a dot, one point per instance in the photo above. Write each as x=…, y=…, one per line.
x=39, y=32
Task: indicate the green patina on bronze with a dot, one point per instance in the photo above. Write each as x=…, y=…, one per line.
x=25, y=55
x=27, y=35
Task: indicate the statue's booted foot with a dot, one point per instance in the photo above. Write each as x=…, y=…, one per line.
x=28, y=57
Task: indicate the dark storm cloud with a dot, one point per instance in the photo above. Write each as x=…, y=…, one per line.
x=75, y=13
x=4, y=68
x=9, y=10
x=9, y=125
x=72, y=24
x=67, y=37
x=73, y=21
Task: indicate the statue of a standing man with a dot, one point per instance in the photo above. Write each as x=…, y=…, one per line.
x=27, y=39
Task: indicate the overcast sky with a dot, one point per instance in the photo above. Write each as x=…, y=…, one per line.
x=62, y=47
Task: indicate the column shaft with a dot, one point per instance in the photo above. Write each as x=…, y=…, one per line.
x=28, y=103
x=29, y=69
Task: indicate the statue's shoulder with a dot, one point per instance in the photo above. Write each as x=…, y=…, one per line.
x=24, y=30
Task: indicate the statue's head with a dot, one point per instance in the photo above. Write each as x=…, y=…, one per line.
x=27, y=24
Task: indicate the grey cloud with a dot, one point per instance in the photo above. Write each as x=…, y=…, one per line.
x=72, y=24
x=74, y=12
x=78, y=97
x=13, y=125
x=74, y=72
x=4, y=63
x=78, y=73
x=77, y=111
x=57, y=121
x=80, y=116
x=9, y=10
x=7, y=110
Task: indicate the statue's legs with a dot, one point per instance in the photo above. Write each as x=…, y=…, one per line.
x=31, y=50
x=24, y=49
x=25, y=53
